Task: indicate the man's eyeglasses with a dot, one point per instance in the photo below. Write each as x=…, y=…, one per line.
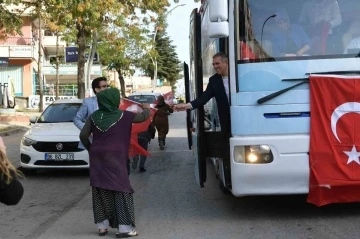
x=103, y=86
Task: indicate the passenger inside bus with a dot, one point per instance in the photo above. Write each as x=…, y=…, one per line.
x=353, y=47
x=350, y=38
x=316, y=13
x=289, y=39
x=319, y=17
x=329, y=25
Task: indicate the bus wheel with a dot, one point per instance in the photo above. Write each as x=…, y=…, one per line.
x=223, y=188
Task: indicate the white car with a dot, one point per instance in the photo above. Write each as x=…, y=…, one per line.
x=53, y=139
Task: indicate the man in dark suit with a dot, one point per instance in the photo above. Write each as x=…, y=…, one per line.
x=217, y=87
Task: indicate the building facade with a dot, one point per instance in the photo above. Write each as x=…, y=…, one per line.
x=19, y=57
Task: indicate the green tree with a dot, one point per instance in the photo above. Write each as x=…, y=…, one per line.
x=56, y=23
x=122, y=50
x=169, y=65
x=160, y=24
x=11, y=22
x=88, y=17
x=124, y=46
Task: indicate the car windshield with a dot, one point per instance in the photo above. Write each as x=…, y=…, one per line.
x=150, y=99
x=278, y=30
x=56, y=113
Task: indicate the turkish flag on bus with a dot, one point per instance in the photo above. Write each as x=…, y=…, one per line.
x=135, y=148
x=334, y=140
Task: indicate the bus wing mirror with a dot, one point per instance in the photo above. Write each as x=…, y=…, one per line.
x=218, y=29
x=218, y=10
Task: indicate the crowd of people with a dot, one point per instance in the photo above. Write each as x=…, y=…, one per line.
x=105, y=132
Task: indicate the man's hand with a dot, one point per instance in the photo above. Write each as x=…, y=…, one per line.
x=182, y=107
x=145, y=106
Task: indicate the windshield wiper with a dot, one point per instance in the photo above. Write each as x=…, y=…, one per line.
x=303, y=81
x=277, y=93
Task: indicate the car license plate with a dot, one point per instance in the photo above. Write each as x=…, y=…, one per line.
x=59, y=156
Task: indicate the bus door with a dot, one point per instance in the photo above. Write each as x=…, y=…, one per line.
x=204, y=140
x=187, y=99
x=194, y=88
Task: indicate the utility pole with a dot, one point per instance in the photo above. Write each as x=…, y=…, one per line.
x=40, y=79
x=57, y=65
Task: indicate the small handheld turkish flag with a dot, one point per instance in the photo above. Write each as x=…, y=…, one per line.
x=334, y=140
x=169, y=98
x=135, y=148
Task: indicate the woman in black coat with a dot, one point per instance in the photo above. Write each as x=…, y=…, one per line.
x=11, y=190
x=161, y=120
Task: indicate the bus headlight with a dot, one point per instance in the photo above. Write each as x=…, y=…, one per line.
x=253, y=154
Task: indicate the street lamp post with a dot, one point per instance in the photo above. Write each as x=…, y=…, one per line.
x=154, y=60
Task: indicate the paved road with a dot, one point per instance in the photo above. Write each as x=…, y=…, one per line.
x=169, y=205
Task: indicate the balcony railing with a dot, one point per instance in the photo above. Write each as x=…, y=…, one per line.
x=18, y=41
x=68, y=69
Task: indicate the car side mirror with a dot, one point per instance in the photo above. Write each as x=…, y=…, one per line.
x=33, y=119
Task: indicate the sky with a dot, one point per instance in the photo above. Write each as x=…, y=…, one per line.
x=178, y=31
x=178, y=27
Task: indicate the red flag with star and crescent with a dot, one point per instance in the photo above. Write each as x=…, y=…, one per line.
x=169, y=98
x=334, y=140
x=135, y=148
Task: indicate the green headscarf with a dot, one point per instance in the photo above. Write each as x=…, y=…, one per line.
x=108, y=113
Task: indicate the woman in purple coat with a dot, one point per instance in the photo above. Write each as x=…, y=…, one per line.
x=112, y=193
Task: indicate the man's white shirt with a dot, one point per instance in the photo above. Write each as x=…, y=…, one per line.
x=226, y=86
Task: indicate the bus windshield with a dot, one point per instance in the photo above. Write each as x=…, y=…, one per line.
x=279, y=30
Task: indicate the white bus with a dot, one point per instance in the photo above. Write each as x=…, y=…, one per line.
x=273, y=47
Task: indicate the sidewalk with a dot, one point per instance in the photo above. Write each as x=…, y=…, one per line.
x=6, y=130
x=16, y=118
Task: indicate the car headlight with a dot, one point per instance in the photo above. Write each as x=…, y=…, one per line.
x=253, y=154
x=27, y=142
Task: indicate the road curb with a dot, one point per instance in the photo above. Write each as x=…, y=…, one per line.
x=13, y=131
